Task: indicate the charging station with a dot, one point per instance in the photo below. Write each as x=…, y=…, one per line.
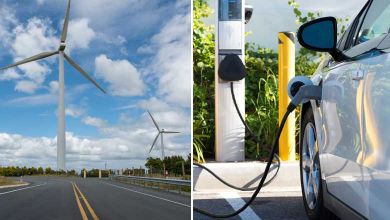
x=230, y=125
x=229, y=40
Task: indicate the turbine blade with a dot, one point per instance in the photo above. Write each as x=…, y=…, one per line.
x=154, y=142
x=66, y=21
x=155, y=123
x=82, y=72
x=31, y=59
x=171, y=132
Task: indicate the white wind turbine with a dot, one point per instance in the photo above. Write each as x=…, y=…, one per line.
x=61, y=143
x=160, y=132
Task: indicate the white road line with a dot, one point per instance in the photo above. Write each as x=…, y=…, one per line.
x=237, y=202
x=167, y=200
x=15, y=190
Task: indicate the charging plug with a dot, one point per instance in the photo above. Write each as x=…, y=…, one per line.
x=231, y=68
x=305, y=94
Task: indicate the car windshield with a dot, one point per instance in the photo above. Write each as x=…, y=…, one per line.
x=376, y=22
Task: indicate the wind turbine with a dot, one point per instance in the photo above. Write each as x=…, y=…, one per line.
x=61, y=143
x=160, y=132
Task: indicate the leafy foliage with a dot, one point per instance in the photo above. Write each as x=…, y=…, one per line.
x=173, y=164
x=203, y=89
x=29, y=171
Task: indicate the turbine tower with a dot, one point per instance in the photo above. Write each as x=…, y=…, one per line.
x=160, y=132
x=61, y=142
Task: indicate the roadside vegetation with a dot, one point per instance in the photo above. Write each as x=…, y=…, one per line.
x=173, y=164
x=30, y=171
x=5, y=181
x=261, y=84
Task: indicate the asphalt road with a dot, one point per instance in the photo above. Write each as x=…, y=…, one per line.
x=77, y=198
x=269, y=205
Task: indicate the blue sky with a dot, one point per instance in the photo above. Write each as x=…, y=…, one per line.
x=140, y=51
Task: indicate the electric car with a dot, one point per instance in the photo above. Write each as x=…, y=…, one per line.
x=345, y=137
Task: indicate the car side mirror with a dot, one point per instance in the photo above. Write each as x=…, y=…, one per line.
x=321, y=35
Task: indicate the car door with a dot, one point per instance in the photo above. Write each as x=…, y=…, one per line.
x=358, y=152
x=341, y=108
x=375, y=63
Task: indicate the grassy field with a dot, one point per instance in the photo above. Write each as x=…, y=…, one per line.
x=4, y=181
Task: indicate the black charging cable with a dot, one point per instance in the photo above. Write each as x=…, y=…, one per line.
x=305, y=93
x=261, y=183
x=254, y=138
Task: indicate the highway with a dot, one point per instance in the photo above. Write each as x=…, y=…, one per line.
x=91, y=198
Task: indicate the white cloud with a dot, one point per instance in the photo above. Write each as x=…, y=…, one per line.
x=123, y=143
x=80, y=34
x=53, y=86
x=74, y=111
x=40, y=2
x=42, y=99
x=35, y=71
x=7, y=21
x=96, y=122
x=9, y=74
x=153, y=104
x=172, y=60
x=26, y=86
x=35, y=37
x=130, y=17
x=123, y=78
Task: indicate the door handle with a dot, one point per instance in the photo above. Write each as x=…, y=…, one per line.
x=357, y=75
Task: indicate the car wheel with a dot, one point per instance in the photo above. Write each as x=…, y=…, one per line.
x=310, y=168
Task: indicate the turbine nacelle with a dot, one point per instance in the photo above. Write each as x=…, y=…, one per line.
x=62, y=46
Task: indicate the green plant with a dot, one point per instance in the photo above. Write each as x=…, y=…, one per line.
x=203, y=89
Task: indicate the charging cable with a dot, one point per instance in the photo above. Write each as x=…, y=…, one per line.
x=253, y=137
x=304, y=93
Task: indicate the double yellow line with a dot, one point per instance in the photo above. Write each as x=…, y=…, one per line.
x=78, y=194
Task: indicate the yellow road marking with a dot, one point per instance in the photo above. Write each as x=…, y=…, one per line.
x=82, y=212
x=94, y=216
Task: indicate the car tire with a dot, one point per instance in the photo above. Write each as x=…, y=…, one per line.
x=310, y=172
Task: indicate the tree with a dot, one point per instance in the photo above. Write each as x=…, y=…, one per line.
x=154, y=164
x=49, y=171
x=40, y=170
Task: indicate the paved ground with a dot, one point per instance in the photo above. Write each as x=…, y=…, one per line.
x=58, y=198
x=269, y=205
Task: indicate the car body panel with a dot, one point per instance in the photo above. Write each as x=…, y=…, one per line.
x=353, y=128
x=341, y=107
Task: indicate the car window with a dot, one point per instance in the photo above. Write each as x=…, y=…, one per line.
x=349, y=37
x=376, y=22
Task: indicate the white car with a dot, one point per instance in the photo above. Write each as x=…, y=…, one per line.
x=345, y=137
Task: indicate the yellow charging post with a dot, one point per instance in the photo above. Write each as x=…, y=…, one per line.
x=286, y=56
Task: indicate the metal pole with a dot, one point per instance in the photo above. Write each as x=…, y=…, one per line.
x=286, y=72
x=182, y=169
x=162, y=145
x=229, y=39
x=61, y=142
x=162, y=152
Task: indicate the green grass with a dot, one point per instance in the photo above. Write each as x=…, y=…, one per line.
x=4, y=181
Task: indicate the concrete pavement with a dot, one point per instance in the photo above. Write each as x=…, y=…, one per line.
x=77, y=198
